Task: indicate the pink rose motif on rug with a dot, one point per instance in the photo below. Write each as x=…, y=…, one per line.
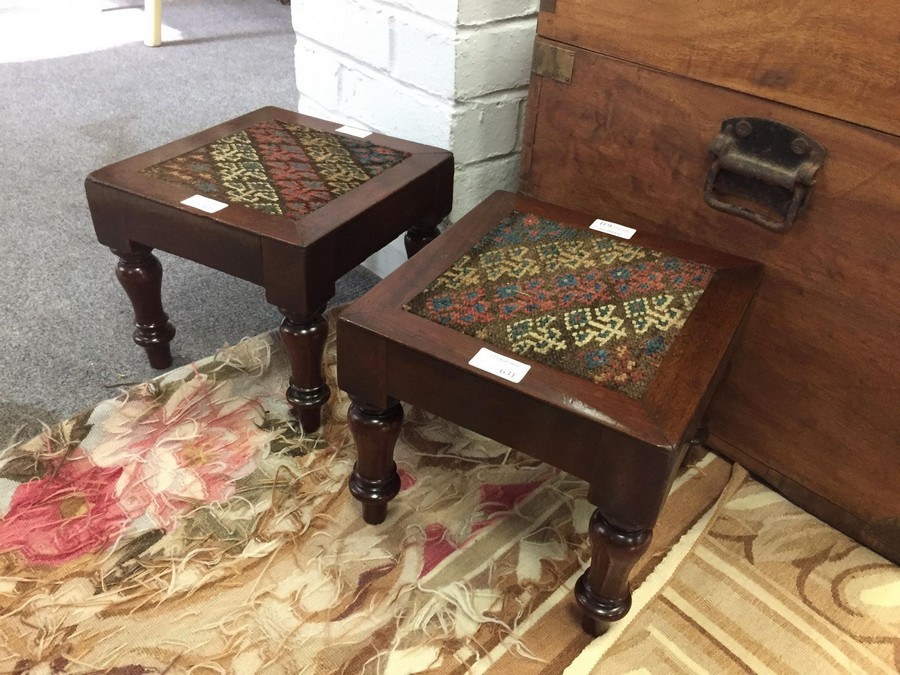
x=68, y=513
x=496, y=500
x=471, y=573
x=187, y=451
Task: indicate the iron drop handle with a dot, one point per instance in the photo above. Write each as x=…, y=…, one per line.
x=762, y=163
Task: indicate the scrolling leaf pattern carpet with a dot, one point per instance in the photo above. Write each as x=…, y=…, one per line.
x=765, y=588
x=187, y=526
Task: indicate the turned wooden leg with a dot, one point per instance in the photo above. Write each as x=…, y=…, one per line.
x=375, y=480
x=418, y=236
x=304, y=338
x=602, y=591
x=140, y=274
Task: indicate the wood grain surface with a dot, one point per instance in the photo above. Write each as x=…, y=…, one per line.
x=813, y=394
x=835, y=58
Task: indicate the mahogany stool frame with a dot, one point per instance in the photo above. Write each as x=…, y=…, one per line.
x=628, y=450
x=296, y=261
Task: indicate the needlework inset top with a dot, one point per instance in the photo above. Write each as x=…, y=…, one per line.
x=570, y=298
x=279, y=168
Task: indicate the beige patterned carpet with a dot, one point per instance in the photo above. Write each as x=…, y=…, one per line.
x=764, y=588
x=187, y=527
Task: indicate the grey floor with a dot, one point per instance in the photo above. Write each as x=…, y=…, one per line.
x=65, y=330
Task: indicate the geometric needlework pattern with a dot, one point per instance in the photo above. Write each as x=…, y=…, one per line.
x=279, y=168
x=570, y=298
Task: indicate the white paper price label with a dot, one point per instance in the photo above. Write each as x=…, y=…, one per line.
x=614, y=229
x=353, y=131
x=204, y=203
x=499, y=365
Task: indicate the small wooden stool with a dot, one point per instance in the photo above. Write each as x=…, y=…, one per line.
x=282, y=200
x=592, y=353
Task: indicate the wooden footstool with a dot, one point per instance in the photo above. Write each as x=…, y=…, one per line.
x=285, y=201
x=593, y=353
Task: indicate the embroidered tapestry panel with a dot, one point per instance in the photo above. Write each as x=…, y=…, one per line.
x=278, y=168
x=570, y=298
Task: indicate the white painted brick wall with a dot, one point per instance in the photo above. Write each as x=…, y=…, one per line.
x=451, y=73
x=444, y=11
x=486, y=11
x=473, y=182
x=358, y=29
x=424, y=55
x=494, y=57
x=391, y=107
x=485, y=128
x=317, y=72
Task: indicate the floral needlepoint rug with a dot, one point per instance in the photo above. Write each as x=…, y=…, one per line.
x=188, y=526
x=764, y=588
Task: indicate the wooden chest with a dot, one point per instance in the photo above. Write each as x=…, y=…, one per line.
x=626, y=101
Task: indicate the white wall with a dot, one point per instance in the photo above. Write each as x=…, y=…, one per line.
x=450, y=73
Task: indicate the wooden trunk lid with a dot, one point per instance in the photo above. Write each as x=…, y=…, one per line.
x=812, y=400
x=835, y=58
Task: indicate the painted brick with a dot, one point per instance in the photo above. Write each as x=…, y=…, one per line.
x=394, y=109
x=450, y=73
x=306, y=105
x=445, y=11
x=483, y=11
x=485, y=129
x=494, y=58
x=318, y=72
x=361, y=30
x=424, y=55
x=388, y=259
x=474, y=182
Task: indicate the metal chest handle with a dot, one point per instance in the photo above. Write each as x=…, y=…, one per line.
x=766, y=163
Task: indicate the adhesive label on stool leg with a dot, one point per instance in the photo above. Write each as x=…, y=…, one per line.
x=614, y=229
x=499, y=365
x=204, y=204
x=353, y=131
